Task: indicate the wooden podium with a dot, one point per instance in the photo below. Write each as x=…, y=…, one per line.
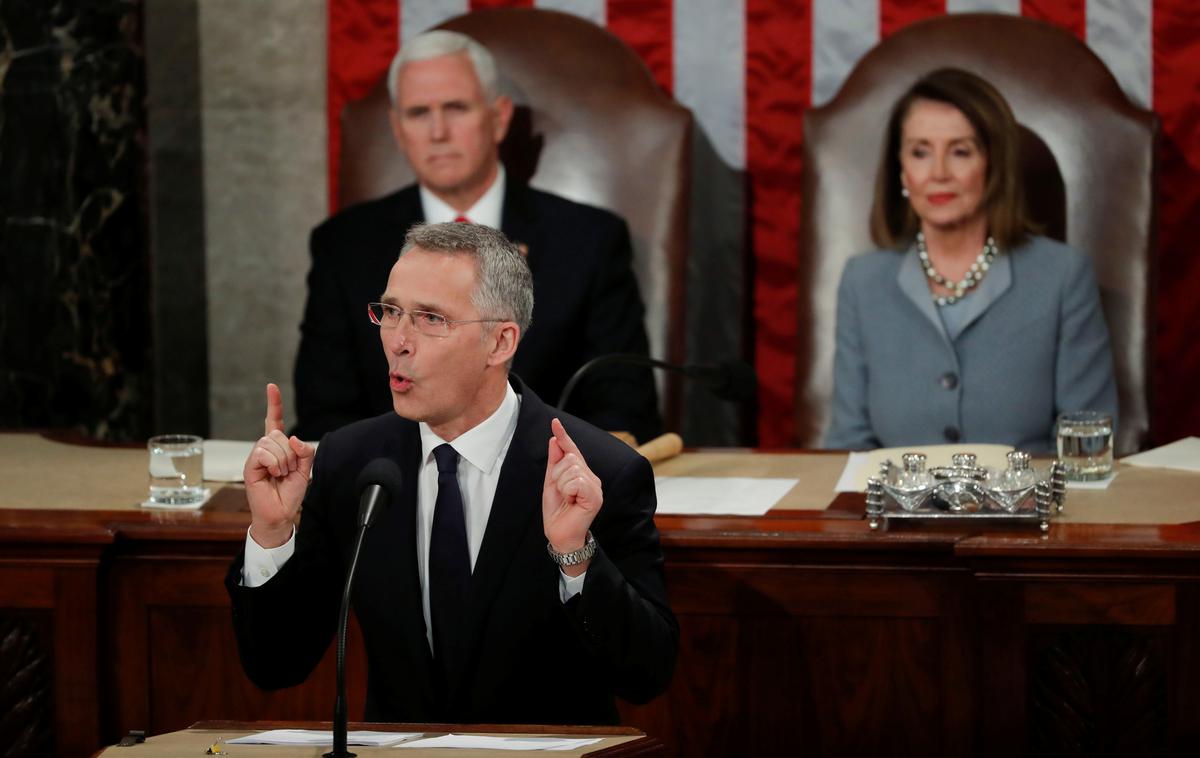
x=615, y=741
x=801, y=630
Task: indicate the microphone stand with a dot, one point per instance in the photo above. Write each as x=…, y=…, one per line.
x=628, y=358
x=379, y=483
x=339, y=706
x=692, y=372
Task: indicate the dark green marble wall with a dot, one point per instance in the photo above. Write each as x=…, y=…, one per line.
x=74, y=297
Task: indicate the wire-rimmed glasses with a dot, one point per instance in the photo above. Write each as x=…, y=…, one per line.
x=388, y=316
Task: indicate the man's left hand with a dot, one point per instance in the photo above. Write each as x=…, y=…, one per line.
x=571, y=496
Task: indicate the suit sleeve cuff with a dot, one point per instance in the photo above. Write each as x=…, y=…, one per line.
x=263, y=563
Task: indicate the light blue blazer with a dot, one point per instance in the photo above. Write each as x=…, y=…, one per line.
x=1029, y=343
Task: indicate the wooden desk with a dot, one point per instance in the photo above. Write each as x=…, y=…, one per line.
x=615, y=741
x=799, y=630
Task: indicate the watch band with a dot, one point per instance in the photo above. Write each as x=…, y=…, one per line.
x=575, y=557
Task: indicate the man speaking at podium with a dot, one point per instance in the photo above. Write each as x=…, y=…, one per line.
x=475, y=605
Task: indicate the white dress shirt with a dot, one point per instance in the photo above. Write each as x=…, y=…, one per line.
x=485, y=211
x=481, y=451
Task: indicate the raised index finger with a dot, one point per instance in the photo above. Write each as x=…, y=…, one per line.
x=274, y=420
x=564, y=440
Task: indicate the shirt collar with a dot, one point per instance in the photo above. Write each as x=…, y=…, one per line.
x=485, y=211
x=482, y=444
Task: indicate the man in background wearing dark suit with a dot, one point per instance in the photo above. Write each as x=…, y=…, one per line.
x=475, y=604
x=448, y=119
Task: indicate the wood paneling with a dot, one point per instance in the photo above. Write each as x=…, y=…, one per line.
x=803, y=633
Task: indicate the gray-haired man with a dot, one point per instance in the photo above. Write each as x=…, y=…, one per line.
x=448, y=119
x=518, y=579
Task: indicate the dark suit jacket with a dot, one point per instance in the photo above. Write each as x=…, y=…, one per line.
x=586, y=304
x=531, y=658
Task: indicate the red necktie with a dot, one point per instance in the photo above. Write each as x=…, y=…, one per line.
x=461, y=219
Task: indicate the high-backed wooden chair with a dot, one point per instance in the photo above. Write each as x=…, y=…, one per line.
x=591, y=125
x=1089, y=166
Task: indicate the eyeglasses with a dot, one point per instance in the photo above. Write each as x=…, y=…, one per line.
x=387, y=316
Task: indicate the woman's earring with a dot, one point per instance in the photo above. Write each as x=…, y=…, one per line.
x=904, y=191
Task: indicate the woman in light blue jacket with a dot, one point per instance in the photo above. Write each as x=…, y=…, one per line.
x=966, y=326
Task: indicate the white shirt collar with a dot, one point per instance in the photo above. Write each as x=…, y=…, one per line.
x=482, y=444
x=485, y=211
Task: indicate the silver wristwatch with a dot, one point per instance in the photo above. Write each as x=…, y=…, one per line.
x=575, y=557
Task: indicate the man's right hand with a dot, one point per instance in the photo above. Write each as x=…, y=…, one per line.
x=276, y=476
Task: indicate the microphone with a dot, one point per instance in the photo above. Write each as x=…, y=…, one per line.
x=730, y=380
x=378, y=484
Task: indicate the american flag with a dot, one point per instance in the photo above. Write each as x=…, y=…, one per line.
x=748, y=68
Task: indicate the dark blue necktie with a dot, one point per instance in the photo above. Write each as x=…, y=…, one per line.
x=449, y=562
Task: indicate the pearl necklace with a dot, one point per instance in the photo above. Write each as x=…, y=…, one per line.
x=974, y=275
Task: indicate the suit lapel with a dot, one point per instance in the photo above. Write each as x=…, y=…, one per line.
x=406, y=210
x=519, y=220
x=995, y=284
x=516, y=508
x=392, y=570
x=911, y=280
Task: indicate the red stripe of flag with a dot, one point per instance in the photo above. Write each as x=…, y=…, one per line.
x=646, y=26
x=363, y=37
x=894, y=15
x=778, y=89
x=1176, y=49
x=479, y=5
x=1068, y=14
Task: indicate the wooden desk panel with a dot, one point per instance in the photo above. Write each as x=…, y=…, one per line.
x=50, y=626
x=799, y=630
x=614, y=741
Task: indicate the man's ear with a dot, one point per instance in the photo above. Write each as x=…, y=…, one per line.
x=504, y=343
x=503, y=108
x=394, y=119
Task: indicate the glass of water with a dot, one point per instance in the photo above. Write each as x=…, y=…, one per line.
x=1085, y=444
x=176, y=469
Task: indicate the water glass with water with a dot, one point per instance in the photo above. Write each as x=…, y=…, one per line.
x=176, y=469
x=1085, y=444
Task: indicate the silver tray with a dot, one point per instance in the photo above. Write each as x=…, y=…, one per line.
x=959, y=492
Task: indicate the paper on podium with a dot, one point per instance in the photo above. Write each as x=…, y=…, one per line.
x=862, y=466
x=224, y=459
x=719, y=495
x=484, y=742
x=318, y=738
x=1181, y=454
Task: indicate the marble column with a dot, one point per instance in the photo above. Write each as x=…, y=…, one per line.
x=263, y=109
x=74, y=305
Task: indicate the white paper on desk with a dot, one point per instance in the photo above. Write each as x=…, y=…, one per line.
x=1182, y=454
x=719, y=495
x=861, y=466
x=316, y=737
x=223, y=459
x=486, y=742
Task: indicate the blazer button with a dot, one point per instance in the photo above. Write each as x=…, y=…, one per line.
x=951, y=433
x=949, y=380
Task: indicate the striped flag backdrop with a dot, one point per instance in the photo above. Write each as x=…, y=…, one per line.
x=749, y=68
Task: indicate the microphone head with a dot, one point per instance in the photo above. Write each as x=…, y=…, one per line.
x=383, y=472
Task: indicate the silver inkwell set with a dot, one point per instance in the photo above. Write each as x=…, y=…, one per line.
x=966, y=490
